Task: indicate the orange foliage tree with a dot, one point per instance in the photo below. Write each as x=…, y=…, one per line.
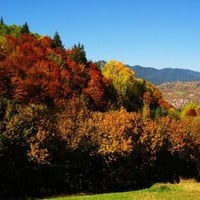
x=32, y=73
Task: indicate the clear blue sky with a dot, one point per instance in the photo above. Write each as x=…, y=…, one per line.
x=154, y=33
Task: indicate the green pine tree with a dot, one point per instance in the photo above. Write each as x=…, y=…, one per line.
x=1, y=21
x=25, y=28
x=80, y=56
x=56, y=40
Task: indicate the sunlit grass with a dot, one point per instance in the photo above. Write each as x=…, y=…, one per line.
x=185, y=190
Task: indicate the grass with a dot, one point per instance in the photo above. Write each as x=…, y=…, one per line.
x=185, y=190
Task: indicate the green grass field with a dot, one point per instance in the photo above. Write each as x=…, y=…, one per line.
x=185, y=190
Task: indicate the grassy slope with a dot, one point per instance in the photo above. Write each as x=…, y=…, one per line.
x=186, y=190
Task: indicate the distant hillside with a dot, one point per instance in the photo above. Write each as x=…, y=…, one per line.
x=157, y=76
x=179, y=93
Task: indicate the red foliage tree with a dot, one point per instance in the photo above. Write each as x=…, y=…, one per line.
x=97, y=87
x=34, y=71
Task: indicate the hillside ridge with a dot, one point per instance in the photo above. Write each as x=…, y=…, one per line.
x=159, y=76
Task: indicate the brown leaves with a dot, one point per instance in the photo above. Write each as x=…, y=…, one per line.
x=113, y=132
x=71, y=123
x=37, y=152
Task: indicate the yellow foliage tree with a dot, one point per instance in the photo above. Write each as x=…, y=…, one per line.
x=112, y=132
x=129, y=90
x=120, y=76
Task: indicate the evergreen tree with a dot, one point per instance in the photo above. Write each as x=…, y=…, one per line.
x=25, y=28
x=56, y=40
x=1, y=21
x=80, y=55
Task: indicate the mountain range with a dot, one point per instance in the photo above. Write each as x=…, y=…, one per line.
x=159, y=76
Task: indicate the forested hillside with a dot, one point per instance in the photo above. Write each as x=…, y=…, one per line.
x=68, y=125
x=159, y=76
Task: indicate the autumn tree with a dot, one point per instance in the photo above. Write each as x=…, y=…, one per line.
x=190, y=109
x=3, y=48
x=70, y=122
x=112, y=133
x=154, y=104
x=34, y=74
x=129, y=90
x=98, y=90
x=177, y=153
x=25, y=145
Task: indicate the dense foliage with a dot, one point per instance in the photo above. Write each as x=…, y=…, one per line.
x=69, y=125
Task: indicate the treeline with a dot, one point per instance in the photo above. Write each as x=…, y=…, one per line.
x=70, y=125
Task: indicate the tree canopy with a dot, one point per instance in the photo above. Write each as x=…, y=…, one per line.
x=69, y=125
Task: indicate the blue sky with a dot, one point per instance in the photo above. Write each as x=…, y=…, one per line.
x=153, y=33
